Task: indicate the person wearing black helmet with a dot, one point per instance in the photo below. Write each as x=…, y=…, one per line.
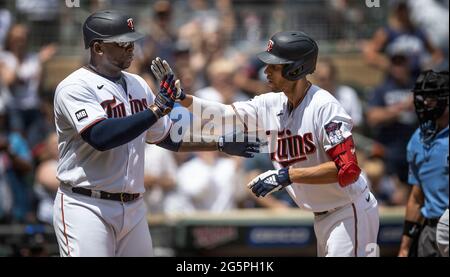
x=104, y=116
x=309, y=140
x=427, y=155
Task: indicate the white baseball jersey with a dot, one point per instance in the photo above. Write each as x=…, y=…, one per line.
x=300, y=139
x=85, y=98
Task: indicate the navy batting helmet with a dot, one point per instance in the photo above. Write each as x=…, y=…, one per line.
x=109, y=26
x=296, y=50
x=431, y=98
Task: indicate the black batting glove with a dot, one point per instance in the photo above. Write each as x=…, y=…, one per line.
x=162, y=70
x=244, y=149
x=165, y=100
x=270, y=181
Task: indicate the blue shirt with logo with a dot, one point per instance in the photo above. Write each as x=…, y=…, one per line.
x=428, y=168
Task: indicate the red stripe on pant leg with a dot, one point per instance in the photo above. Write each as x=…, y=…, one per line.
x=64, y=224
x=356, y=230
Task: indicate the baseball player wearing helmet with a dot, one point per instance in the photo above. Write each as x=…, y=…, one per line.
x=427, y=155
x=104, y=116
x=311, y=145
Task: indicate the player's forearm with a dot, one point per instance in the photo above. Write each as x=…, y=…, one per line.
x=114, y=132
x=325, y=173
x=413, y=216
x=205, y=108
x=413, y=206
x=198, y=146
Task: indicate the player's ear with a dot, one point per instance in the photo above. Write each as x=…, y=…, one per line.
x=97, y=48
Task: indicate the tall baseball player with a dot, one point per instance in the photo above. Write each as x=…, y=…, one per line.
x=311, y=145
x=104, y=116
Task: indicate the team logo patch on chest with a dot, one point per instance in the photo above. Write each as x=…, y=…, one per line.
x=334, y=133
x=82, y=114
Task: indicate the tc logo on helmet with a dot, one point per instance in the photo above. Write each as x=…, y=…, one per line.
x=270, y=46
x=130, y=24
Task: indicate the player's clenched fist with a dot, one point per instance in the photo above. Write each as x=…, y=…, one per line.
x=270, y=181
x=161, y=69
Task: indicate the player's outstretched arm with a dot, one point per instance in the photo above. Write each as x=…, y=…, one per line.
x=162, y=70
x=113, y=132
x=226, y=144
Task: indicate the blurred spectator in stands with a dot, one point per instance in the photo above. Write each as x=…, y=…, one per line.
x=227, y=17
x=326, y=76
x=42, y=17
x=161, y=39
x=209, y=182
x=158, y=179
x=435, y=22
x=15, y=162
x=250, y=77
x=222, y=89
x=382, y=186
x=401, y=36
x=6, y=197
x=346, y=18
x=32, y=243
x=201, y=11
x=390, y=114
x=5, y=95
x=252, y=27
x=22, y=74
x=188, y=79
x=160, y=42
x=5, y=23
x=208, y=34
x=46, y=185
x=41, y=128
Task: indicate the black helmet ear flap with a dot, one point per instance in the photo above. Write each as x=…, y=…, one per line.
x=293, y=71
x=299, y=69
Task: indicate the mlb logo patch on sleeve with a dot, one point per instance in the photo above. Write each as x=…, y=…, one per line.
x=82, y=114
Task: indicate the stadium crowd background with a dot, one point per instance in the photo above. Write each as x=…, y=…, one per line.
x=369, y=59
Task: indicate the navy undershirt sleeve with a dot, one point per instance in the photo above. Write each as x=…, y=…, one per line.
x=113, y=132
x=170, y=145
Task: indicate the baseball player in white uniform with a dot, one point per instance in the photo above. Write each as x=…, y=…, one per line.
x=311, y=146
x=104, y=116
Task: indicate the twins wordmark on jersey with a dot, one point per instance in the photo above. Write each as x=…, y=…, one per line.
x=290, y=149
x=116, y=109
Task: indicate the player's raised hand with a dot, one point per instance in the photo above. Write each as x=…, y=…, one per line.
x=270, y=181
x=231, y=146
x=161, y=69
x=165, y=99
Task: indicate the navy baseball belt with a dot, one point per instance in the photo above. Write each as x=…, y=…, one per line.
x=122, y=197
